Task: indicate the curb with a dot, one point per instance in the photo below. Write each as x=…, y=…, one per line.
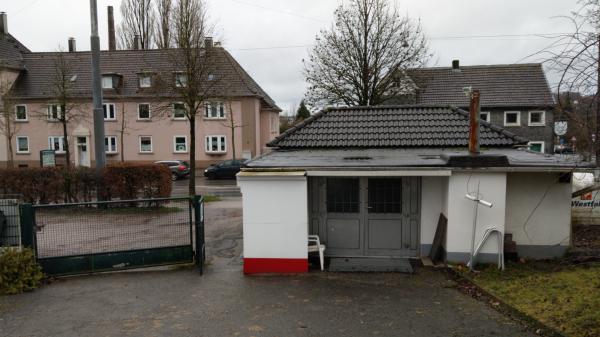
x=529, y=322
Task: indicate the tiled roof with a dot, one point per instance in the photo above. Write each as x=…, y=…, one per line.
x=391, y=127
x=233, y=80
x=500, y=85
x=11, y=52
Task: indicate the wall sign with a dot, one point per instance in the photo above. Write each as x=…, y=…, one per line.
x=47, y=158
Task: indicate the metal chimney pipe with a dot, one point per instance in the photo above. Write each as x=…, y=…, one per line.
x=474, y=123
x=112, y=43
x=3, y=24
x=72, y=45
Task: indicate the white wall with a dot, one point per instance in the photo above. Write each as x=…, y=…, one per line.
x=275, y=219
x=550, y=223
x=433, y=202
x=492, y=188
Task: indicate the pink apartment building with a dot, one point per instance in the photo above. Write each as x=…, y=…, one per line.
x=143, y=123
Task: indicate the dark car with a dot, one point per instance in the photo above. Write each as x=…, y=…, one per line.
x=179, y=168
x=225, y=169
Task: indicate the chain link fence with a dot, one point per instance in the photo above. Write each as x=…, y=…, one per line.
x=10, y=227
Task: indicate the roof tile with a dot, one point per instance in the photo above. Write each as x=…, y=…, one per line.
x=389, y=126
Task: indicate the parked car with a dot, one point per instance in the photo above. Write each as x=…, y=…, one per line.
x=179, y=168
x=226, y=169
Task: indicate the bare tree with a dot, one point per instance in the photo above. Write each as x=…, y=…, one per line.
x=196, y=74
x=575, y=56
x=138, y=18
x=9, y=127
x=163, y=23
x=66, y=108
x=351, y=62
x=231, y=125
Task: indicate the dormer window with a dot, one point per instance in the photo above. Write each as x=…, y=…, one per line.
x=107, y=82
x=110, y=81
x=180, y=80
x=145, y=80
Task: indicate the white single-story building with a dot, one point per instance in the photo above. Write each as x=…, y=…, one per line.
x=371, y=182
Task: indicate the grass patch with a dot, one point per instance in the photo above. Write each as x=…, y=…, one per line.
x=564, y=297
x=211, y=198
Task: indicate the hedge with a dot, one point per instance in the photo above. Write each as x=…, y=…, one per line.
x=43, y=185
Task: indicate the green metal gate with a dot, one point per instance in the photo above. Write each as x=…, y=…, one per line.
x=82, y=238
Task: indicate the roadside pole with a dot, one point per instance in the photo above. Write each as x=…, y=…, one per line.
x=99, y=150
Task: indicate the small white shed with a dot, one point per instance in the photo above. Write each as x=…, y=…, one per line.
x=372, y=183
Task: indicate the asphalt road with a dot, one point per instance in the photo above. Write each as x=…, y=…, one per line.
x=204, y=186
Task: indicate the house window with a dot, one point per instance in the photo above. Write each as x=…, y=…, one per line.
x=536, y=146
x=109, y=112
x=216, y=144
x=56, y=143
x=214, y=110
x=21, y=113
x=274, y=123
x=145, y=144
x=180, y=144
x=537, y=118
x=22, y=144
x=484, y=116
x=107, y=82
x=144, y=111
x=55, y=112
x=180, y=80
x=145, y=81
x=342, y=195
x=512, y=118
x=110, y=144
x=178, y=111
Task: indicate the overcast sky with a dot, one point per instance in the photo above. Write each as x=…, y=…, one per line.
x=271, y=37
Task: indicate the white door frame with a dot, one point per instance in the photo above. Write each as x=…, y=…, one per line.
x=77, y=151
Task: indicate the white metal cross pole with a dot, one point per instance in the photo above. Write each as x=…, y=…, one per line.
x=476, y=204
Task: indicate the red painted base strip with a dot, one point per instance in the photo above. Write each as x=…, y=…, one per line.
x=268, y=265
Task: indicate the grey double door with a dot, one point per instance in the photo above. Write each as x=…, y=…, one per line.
x=366, y=216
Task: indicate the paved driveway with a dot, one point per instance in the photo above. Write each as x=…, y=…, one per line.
x=179, y=302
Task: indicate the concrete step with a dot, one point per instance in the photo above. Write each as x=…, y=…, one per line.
x=369, y=264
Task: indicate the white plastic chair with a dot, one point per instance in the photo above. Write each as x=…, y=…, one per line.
x=314, y=245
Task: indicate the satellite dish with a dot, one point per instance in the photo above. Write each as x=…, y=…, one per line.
x=560, y=128
x=73, y=78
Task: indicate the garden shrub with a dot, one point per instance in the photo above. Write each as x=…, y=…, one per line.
x=78, y=184
x=19, y=271
x=130, y=181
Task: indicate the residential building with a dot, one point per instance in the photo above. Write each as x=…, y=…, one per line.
x=144, y=121
x=373, y=183
x=516, y=97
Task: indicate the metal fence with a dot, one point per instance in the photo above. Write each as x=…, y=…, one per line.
x=10, y=228
x=111, y=235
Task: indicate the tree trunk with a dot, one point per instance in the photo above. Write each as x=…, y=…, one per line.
x=11, y=157
x=232, y=137
x=122, y=132
x=66, y=144
x=192, y=180
x=597, y=140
